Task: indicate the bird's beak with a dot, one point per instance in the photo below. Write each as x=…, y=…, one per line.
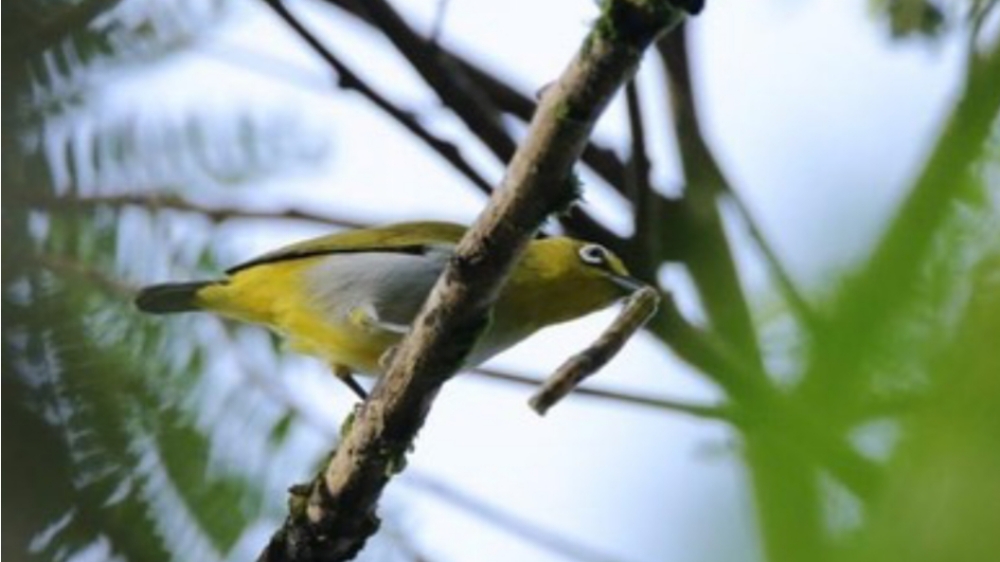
x=628, y=284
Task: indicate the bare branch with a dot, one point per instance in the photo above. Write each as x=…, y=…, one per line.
x=348, y=79
x=638, y=309
x=604, y=161
x=648, y=222
x=112, y=286
x=446, y=79
x=155, y=202
x=800, y=308
x=516, y=525
x=758, y=405
x=337, y=517
x=705, y=411
x=466, y=99
x=705, y=177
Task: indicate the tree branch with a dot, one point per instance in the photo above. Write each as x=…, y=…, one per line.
x=466, y=99
x=467, y=75
x=703, y=170
x=518, y=526
x=639, y=308
x=348, y=79
x=707, y=252
x=338, y=515
x=155, y=202
x=463, y=96
x=758, y=405
x=719, y=412
x=512, y=523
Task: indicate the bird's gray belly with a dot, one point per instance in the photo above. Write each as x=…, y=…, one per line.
x=394, y=286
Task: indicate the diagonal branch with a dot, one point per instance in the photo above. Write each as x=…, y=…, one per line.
x=338, y=515
x=705, y=175
x=787, y=504
x=348, y=79
x=454, y=89
x=647, y=234
x=469, y=102
x=528, y=531
x=155, y=201
x=454, y=74
x=478, y=98
x=719, y=412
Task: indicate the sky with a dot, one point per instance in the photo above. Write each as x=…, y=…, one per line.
x=815, y=115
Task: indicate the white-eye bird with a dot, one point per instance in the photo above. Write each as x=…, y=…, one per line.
x=349, y=297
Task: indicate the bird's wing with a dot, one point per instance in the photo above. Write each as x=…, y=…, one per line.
x=413, y=238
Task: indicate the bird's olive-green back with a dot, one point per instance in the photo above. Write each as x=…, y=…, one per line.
x=406, y=237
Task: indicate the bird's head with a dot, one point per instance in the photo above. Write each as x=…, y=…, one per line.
x=560, y=279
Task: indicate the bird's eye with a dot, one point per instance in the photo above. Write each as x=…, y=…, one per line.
x=593, y=254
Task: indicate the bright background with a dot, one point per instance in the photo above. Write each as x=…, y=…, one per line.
x=818, y=117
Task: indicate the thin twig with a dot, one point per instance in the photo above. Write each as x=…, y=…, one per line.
x=706, y=178
x=705, y=411
x=648, y=224
x=801, y=309
x=111, y=285
x=348, y=79
x=638, y=309
x=603, y=160
x=155, y=202
x=467, y=100
x=518, y=526
x=530, y=532
x=456, y=91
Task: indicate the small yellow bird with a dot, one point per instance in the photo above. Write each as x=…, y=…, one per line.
x=349, y=297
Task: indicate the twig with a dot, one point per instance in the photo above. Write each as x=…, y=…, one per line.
x=639, y=308
x=604, y=161
x=756, y=402
x=350, y=80
x=338, y=516
x=173, y=202
x=518, y=526
x=459, y=93
x=705, y=176
x=504, y=520
x=107, y=283
x=801, y=309
x=647, y=234
x=705, y=411
x=467, y=100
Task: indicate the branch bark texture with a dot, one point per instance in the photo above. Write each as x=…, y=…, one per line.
x=332, y=519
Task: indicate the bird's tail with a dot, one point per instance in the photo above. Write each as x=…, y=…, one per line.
x=171, y=297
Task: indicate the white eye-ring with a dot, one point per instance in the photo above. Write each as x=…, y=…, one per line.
x=593, y=254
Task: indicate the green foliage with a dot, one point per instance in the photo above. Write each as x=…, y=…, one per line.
x=131, y=438
x=113, y=448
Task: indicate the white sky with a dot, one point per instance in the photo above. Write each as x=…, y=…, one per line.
x=817, y=118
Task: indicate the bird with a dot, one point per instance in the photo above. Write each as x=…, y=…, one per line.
x=348, y=298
